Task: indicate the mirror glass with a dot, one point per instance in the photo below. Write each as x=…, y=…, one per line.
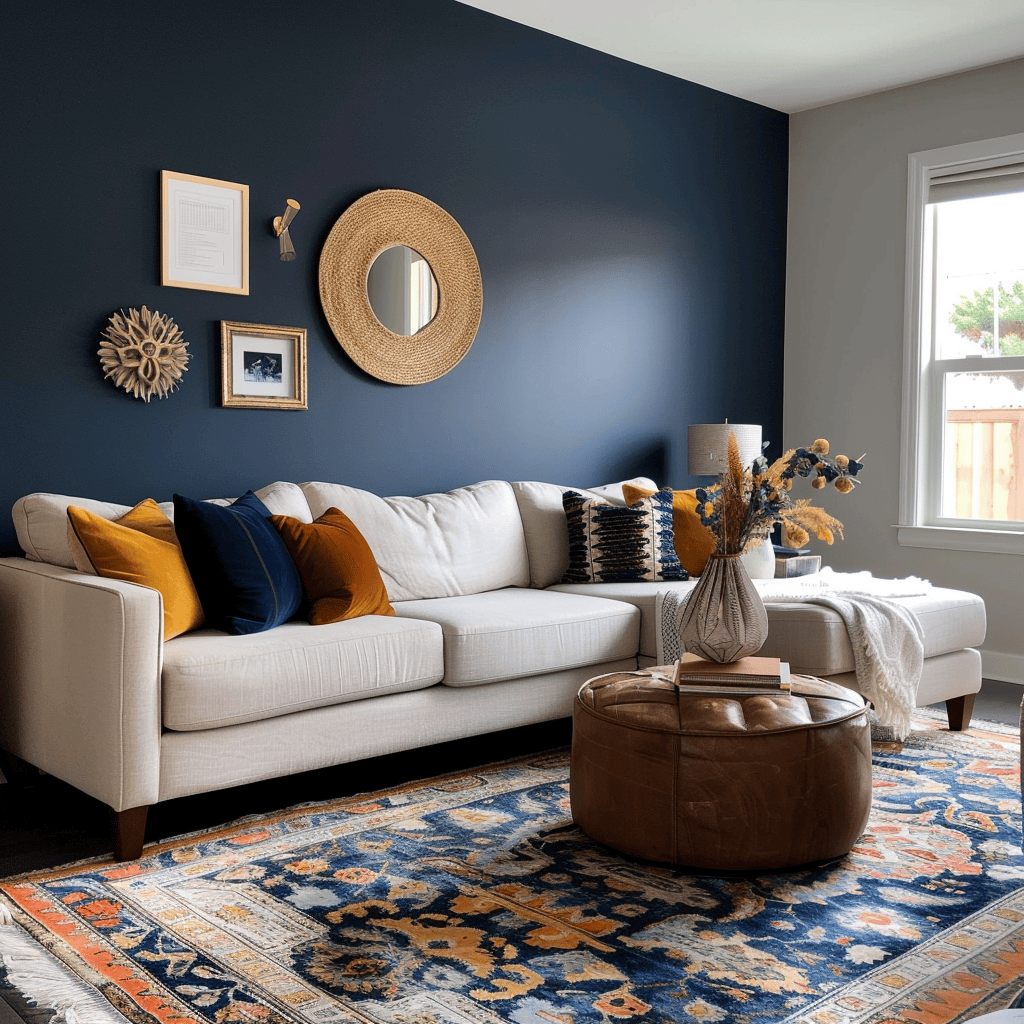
x=402, y=290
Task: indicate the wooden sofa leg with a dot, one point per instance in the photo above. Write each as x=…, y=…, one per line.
x=129, y=832
x=959, y=711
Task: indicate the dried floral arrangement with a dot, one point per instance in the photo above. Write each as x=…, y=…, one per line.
x=744, y=505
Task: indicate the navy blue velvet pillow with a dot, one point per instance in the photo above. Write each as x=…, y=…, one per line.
x=245, y=578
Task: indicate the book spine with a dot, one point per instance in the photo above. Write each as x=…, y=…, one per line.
x=800, y=565
x=751, y=682
x=734, y=691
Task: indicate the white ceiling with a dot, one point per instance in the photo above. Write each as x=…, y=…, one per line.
x=787, y=54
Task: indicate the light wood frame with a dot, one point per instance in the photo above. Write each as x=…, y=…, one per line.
x=290, y=342
x=234, y=196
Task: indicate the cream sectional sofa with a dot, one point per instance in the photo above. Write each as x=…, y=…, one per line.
x=484, y=638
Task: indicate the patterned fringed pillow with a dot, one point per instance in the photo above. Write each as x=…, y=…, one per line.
x=620, y=544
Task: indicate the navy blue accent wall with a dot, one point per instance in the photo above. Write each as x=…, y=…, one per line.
x=630, y=229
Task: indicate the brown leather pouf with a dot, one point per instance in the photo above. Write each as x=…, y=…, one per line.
x=720, y=783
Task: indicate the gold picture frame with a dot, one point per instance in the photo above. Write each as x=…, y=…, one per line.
x=262, y=366
x=204, y=233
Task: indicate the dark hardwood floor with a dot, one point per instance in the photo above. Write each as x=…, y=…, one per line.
x=48, y=823
x=999, y=702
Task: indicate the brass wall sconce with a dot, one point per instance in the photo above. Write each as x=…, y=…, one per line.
x=280, y=227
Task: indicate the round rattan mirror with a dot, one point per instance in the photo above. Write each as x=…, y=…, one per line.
x=371, y=225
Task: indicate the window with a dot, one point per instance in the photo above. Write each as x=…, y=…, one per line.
x=963, y=396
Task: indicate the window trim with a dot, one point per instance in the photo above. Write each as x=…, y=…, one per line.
x=912, y=531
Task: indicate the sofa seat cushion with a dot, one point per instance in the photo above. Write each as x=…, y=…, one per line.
x=813, y=639
x=515, y=632
x=643, y=596
x=211, y=679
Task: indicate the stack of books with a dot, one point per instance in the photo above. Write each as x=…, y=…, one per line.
x=795, y=562
x=744, y=678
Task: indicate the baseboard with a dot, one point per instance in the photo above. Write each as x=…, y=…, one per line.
x=1007, y=668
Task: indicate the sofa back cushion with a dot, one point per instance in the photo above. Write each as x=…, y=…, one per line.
x=41, y=520
x=465, y=541
x=547, y=536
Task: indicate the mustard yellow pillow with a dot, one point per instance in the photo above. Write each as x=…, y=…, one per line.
x=139, y=547
x=695, y=543
x=340, y=578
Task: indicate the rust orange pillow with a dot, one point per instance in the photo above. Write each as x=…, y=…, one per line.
x=139, y=547
x=340, y=578
x=694, y=542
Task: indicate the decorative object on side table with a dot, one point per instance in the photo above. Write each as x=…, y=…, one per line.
x=262, y=367
x=759, y=559
x=724, y=618
x=796, y=565
x=143, y=352
x=750, y=675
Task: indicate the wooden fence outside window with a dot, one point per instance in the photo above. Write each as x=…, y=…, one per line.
x=983, y=453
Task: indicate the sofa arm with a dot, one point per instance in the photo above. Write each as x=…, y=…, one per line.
x=80, y=662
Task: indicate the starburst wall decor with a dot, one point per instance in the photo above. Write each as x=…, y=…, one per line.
x=143, y=352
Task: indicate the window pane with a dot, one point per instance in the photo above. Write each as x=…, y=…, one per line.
x=984, y=442
x=979, y=255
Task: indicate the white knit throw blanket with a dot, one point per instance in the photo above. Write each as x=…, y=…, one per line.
x=886, y=637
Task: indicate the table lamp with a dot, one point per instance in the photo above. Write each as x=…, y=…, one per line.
x=706, y=445
x=706, y=455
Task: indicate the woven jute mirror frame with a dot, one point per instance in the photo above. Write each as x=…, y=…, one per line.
x=369, y=226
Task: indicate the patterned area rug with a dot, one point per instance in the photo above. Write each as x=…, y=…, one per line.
x=472, y=899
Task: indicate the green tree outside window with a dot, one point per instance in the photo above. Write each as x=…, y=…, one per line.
x=974, y=318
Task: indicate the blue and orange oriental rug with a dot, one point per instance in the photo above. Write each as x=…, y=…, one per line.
x=473, y=899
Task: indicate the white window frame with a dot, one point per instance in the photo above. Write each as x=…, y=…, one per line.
x=921, y=439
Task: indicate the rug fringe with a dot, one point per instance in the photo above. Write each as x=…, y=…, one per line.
x=44, y=982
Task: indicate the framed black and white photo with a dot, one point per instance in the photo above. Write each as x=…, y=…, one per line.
x=262, y=367
x=205, y=229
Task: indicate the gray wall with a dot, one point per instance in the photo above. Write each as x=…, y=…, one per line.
x=844, y=318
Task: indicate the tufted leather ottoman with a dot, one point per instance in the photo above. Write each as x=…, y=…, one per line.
x=720, y=783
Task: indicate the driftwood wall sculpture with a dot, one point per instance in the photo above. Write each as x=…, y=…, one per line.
x=143, y=352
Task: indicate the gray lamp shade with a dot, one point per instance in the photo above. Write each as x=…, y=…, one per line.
x=707, y=444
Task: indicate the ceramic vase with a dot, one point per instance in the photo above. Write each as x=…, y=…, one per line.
x=724, y=619
x=759, y=560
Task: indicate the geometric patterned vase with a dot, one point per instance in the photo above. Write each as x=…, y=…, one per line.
x=724, y=618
